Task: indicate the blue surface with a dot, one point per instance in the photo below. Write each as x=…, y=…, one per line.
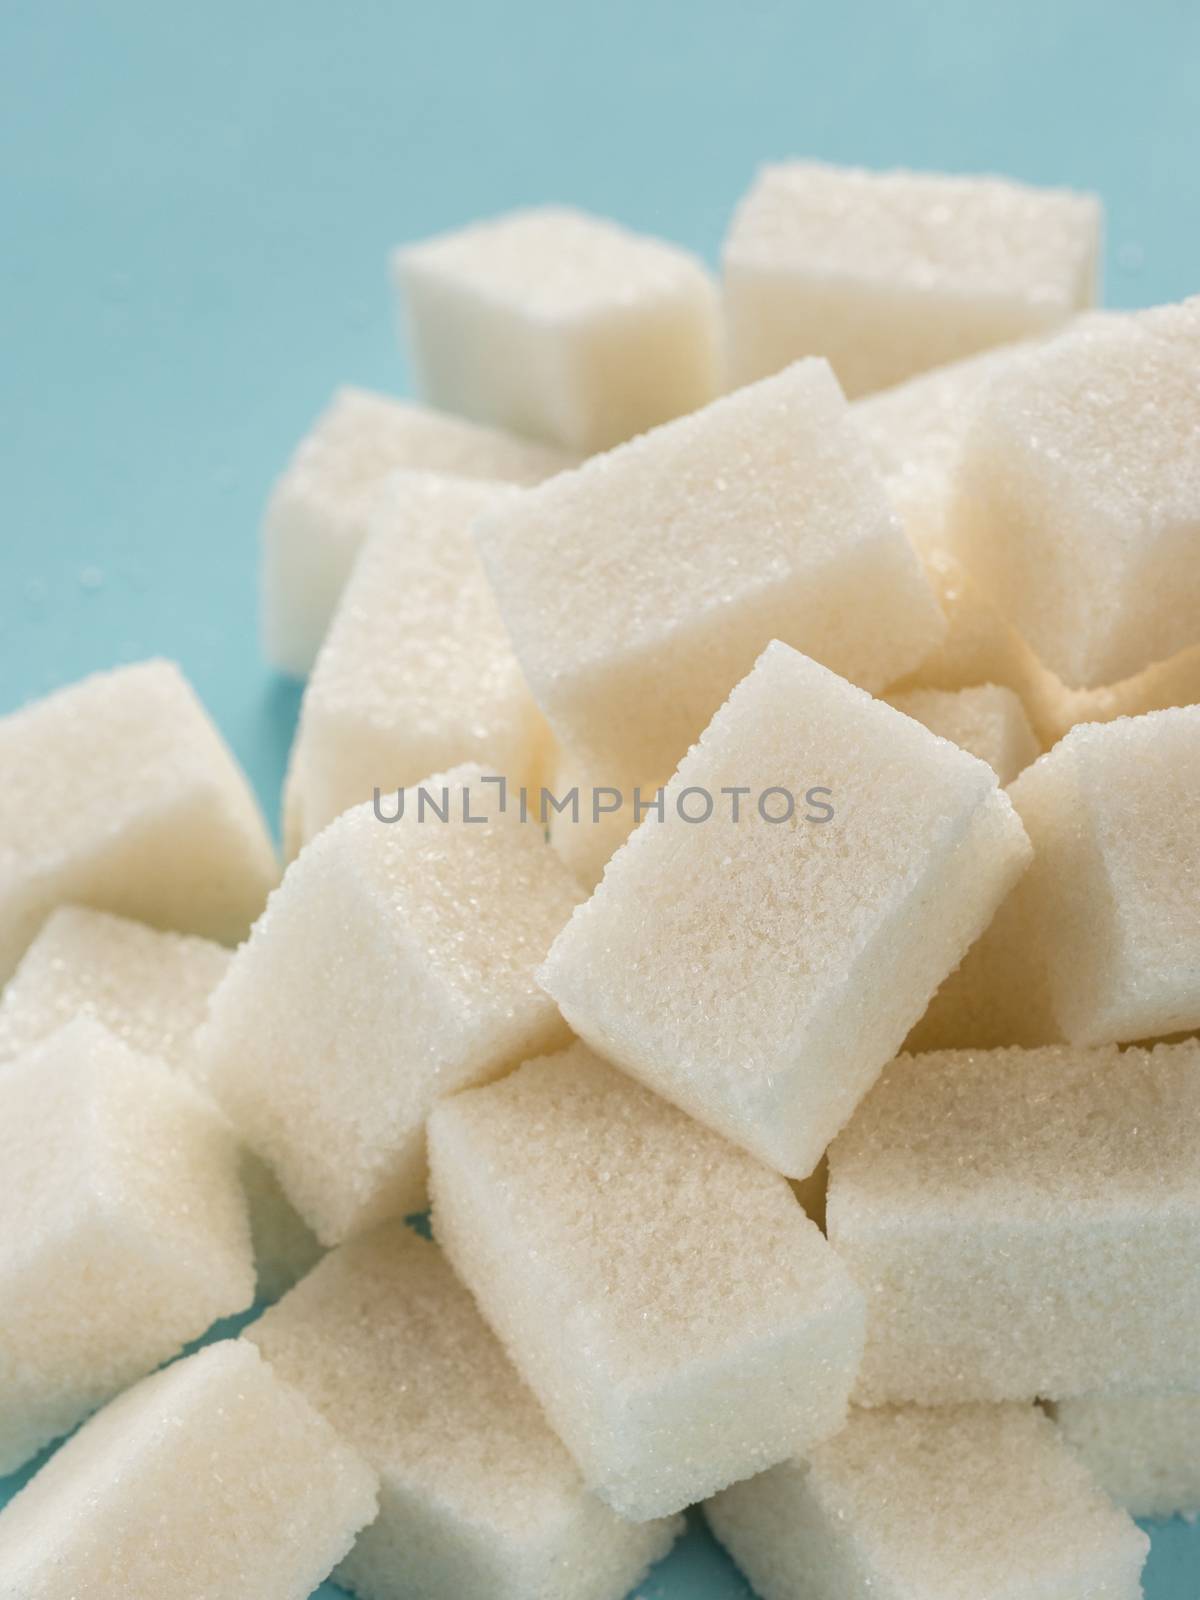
x=198, y=202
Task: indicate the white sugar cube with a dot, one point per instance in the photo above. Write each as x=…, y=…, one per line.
x=211, y=1480
x=760, y=517
x=560, y=325
x=588, y=819
x=963, y=1501
x=761, y=973
x=1078, y=500
x=417, y=672
x=680, y=1319
x=890, y=273
x=988, y=721
x=119, y=793
x=123, y=1229
x=1024, y=1222
x=477, y=1495
x=394, y=965
x=1143, y=1449
x=318, y=512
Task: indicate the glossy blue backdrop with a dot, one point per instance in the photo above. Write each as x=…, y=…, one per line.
x=198, y=202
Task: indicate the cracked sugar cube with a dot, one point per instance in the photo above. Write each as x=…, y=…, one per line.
x=394, y=965
x=1141, y=1448
x=417, y=672
x=761, y=973
x=123, y=1228
x=887, y=274
x=119, y=793
x=210, y=1480
x=477, y=1495
x=759, y=517
x=560, y=325
x=680, y=1319
x=1078, y=501
x=317, y=516
x=962, y=1501
x=1024, y=1223
x=987, y=721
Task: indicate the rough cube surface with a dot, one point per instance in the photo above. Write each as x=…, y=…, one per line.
x=123, y=1230
x=417, y=672
x=119, y=793
x=890, y=273
x=1143, y=1449
x=317, y=516
x=964, y=1501
x=560, y=325
x=760, y=517
x=1078, y=501
x=394, y=965
x=477, y=1495
x=761, y=974
x=1024, y=1223
x=664, y=1296
x=209, y=1479
x=987, y=721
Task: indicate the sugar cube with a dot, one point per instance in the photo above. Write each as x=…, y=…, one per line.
x=1024, y=1222
x=560, y=325
x=417, y=672
x=680, y=1319
x=1141, y=1448
x=890, y=273
x=394, y=965
x=208, y=1481
x=961, y=1501
x=318, y=512
x=1077, y=506
x=588, y=819
x=119, y=793
x=988, y=721
x=761, y=972
x=758, y=517
x=477, y=1495
x=123, y=1229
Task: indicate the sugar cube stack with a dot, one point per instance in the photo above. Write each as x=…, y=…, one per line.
x=477, y=1495
x=889, y=273
x=317, y=514
x=987, y=721
x=394, y=965
x=1142, y=1448
x=961, y=1501
x=640, y=588
x=762, y=973
x=119, y=793
x=1024, y=1223
x=417, y=672
x=209, y=1479
x=560, y=325
x=123, y=1228
x=680, y=1319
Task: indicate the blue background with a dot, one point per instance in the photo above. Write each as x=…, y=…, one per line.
x=198, y=202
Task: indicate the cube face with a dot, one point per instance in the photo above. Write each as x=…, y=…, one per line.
x=122, y=795
x=394, y=965
x=657, y=533
x=790, y=924
x=475, y=1486
x=417, y=672
x=1078, y=503
x=560, y=325
x=319, y=511
x=1024, y=1222
x=1141, y=1448
x=123, y=1232
x=889, y=274
x=1002, y=1509
x=103, y=1515
x=679, y=1318
x=987, y=721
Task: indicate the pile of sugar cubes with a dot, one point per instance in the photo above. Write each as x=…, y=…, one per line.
x=743, y=876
